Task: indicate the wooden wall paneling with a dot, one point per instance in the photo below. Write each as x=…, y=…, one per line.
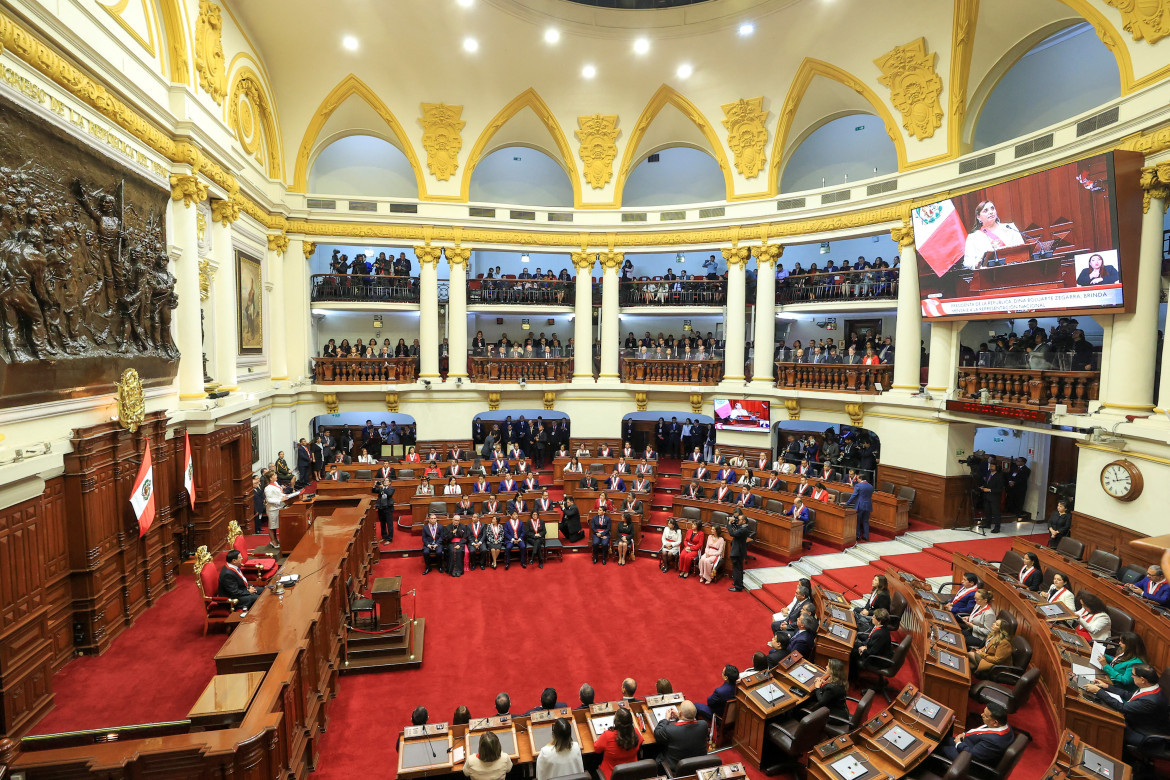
x=940, y=500
x=1098, y=534
x=223, y=483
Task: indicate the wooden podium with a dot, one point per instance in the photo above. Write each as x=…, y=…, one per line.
x=387, y=595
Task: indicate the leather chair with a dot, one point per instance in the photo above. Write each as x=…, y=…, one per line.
x=806, y=540
x=256, y=568
x=1049, y=573
x=1119, y=622
x=1142, y=756
x=1132, y=574
x=838, y=725
x=1011, y=564
x=1071, y=548
x=1104, y=562
x=690, y=513
x=363, y=474
x=719, y=518
x=690, y=766
x=774, y=505
x=358, y=603
x=1010, y=674
x=794, y=738
x=724, y=725
x=885, y=667
x=1011, y=757
x=934, y=764
x=552, y=541
x=1008, y=619
x=887, y=487
x=437, y=508
x=897, y=609
x=635, y=770
x=908, y=493
x=406, y=473
x=1011, y=699
x=217, y=609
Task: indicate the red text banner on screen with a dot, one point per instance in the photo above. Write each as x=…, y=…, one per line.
x=1005, y=412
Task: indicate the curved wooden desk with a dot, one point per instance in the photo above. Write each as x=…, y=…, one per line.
x=782, y=536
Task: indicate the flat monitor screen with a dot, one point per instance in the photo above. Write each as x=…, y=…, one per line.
x=1052, y=241
x=739, y=414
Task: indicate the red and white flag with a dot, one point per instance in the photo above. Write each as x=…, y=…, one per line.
x=939, y=235
x=142, y=499
x=188, y=469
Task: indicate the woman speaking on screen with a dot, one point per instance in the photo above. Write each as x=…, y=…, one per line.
x=1097, y=273
x=988, y=235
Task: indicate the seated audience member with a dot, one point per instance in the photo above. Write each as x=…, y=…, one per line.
x=759, y=663
x=1059, y=523
x=799, y=512
x=234, y=585
x=718, y=699
x=419, y=716
x=692, y=545
x=618, y=744
x=1144, y=709
x=1060, y=592
x=671, y=544
x=629, y=688
x=548, y=701
x=830, y=690
x=663, y=686
x=1030, y=575
x=586, y=694
x=1093, y=622
x=878, y=643
x=432, y=534
x=503, y=704
x=980, y=620
x=996, y=650
x=804, y=640
x=1118, y=669
x=1153, y=587
x=625, y=539
x=878, y=598
x=964, y=599
x=599, y=528
x=490, y=763
x=495, y=539
x=561, y=756
x=986, y=743
x=680, y=735
x=462, y=716
x=800, y=597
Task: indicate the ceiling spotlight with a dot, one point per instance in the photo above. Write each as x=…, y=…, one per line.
x=589, y=71
x=641, y=46
x=552, y=35
x=350, y=42
x=466, y=3
x=684, y=71
x=470, y=45
x=746, y=29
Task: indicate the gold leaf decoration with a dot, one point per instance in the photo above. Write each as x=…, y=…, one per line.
x=1145, y=20
x=1155, y=183
x=914, y=87
x=278, y=243
x=442, y=138
x=598, y=136
x=209, y=60
x=747, y=134
x=131, y=401
x=188, y=189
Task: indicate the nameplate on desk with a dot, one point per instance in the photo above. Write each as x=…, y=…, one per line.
x=607, y=707
x=546, y=716
x=494, y=722
x=664, y=698
x=429, y=730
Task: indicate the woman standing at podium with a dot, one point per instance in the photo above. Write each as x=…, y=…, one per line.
x=691, y=546
x=987, y=235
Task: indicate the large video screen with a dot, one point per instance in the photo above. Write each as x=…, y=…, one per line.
x=1048, y=242
x=738, y=415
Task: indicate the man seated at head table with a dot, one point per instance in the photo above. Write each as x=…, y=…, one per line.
x=548, y=701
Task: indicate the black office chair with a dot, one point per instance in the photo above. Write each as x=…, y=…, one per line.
x=690, y=766
x=359, y=604
x=1142, y=756
x=809, y=527
x=635, y=770
x=1071, y=548
x=794, y=739
x=689, y=513
x=897, y=609
x=1104, y=562
x=1131, y=574
x=774, y=505
x=838, y=725
x=884, y=667
x=1011, y=699
x=437, y=508
x=934, y=764
x=1004, y=768
x=908, y=493
x=1011, y=564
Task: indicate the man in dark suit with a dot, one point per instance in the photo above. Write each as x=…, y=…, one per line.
x=1017, y=485
x=804, y=641
x=489, y=442
x=746, y=498
x=335, y=475
x=803, y=597
x=739, y=530
x=631, y=505
x=234, y=585
x=475, y=534
x=385, y=506
x=304, y=463
x=514, y=539
x=862, y=498
x=992, y=487
x=587, y=482
x=717, y=701
x=674, y=437
x=963, y=601
x=257, y=506
x=987, y=743
x=694, y=490
x=680, y=735
x=599, y=527
x=1144, y=709
x=570, y=524
x=432, y=545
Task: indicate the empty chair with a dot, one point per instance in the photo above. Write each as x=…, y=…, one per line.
x=1071, y=548
x=719, y=518
x=1119, y=621
x=883, y=668
x=406, y=473
x=1131, y=574
x=794, y=738
x=1010, y=698
x=886, y=487
x=777, y=506
x=809, y=527
x=363, y=474
x=552, y=541
x=1011, y=564
x=897, y=609
x=959, y=769
x=690, y=766
x=437, y=508
x=908, y=493
x=838, y=726
x=635, y=770
x=1104, y=562
x=359, y=604
x=689, y=513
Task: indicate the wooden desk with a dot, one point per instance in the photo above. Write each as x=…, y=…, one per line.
x=607, y=465
x=224, y=701
x=835, y=525
x=1082, y=760
x=756, y=710
x=782, y=536
x=573, y=488
x=387, y=595
x=874, y=744
x=420, y=504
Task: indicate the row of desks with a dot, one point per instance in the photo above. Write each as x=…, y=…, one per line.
x=835, y=525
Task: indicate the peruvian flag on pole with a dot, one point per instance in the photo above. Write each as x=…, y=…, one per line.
x=142, y=499
x=188, y=469
x=939, y=235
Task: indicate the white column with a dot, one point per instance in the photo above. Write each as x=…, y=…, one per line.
x=298, y=345
x=277, y=316
x=908, y=326
x=1131, y=370
x=224, y=287
x=610, y=326
x=428, y=333
x=763, y=365
x=736, y=330
x=185, y=325
x=457, y=259
x=583, y=316
x=944, y=356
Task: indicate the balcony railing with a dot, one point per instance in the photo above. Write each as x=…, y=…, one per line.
x=371, y=289
x=672, y=372
x=869, y=284
x=672, y=292
x=487, y=369
x=834, y=377
x=364, y=371
x=1031, y=388
x=540, y=292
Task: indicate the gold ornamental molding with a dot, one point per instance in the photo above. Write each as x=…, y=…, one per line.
x=611, y=260
x=597, y=135
x=793, y=407
x=640, y=401
x=584, y=261
x=550, y=399
x=308, y=248
x=457, y=255
x=966, y=15
x=278, y=243
x=188, y=188
x=856, y=414
x=209, y=59
x=205, y=273
x=1145, y=20
x=747, y=134
x=442, y=138
x=494, y=401
x=736, y=256
x=696, y=403
x=131, y=401
x=428, y=255
x=226, y=211
x=392, y=402
x=767, y=254
x=903, y=235
x=331, y=403
x=1155, y=182
x=909, y=72
x=1148, y=143
x=251, y=118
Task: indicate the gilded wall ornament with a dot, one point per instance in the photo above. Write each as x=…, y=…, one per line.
x=1155, y=183
x=209, y=60
x=611, y=260
x=204, y=279
x=747, y=134
x=392, y=402
x=457, y=255
x=914, y=86
x=188, y=189
x=278, y=243
x=493, y=401
x=331, y=403
x=697, y=403
x=1145, y=20
x=226, y=211
x=598, y=136
x=583, y=261
x=550, y=399
x=131, y=401
x=640, y=401
x=251, y=117
x=767, y=254
x=793, y=407
x=856, y=414
x=903, y=236
x=442, y=138
x=737, y=255
x=428, y=255
x=308, y=248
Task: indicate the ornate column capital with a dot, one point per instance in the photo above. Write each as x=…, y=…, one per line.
x=903, y=235
x=457, y=255
x=205, y=273
x=188, y=188
x=584, y=260
x=1155, y=183
x=428, y=255
x=736, y=256
x=278, y=243
x=611, y=260
x=227, y=211
x=308, y=247
x=767, y=254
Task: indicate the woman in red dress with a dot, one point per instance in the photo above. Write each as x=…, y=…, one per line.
x=618, y=745
x=692, y=545
x=602, y=504
x=412, y=456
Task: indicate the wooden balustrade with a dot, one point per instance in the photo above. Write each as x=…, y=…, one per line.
x=1031, y=388
x=364, y=371
x=489, y=369
x=834, y=377
x=678, y=372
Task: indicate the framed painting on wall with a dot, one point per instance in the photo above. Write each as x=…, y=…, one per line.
x=249, y=305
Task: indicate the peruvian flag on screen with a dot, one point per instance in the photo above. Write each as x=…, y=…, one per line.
x=939, y=235
x=188, y=469
x=142, y=499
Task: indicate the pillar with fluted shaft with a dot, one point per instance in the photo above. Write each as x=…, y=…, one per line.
x=583, y=316
x=275, y=315
x=908, y=326
x=764, y=339
x=224, y=284
x=428, y=310
x=1130, y=385
x=298, y=348
x=610, y=303
x=186, y=330
x=735, y=332
x=942, y=374
x=457, y=259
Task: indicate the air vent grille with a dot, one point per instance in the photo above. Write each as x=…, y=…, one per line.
x=1033, y=146
x=530, y=215
x=672, y=216
x=1096, y=122
x=320, y=203
x=977, y=163
x=836, y=197
x=790, y=203
x=882, y=186
x=715, y=211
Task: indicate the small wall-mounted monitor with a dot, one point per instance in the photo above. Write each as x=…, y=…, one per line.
x=742, y=415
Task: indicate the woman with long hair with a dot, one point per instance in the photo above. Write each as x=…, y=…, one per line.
x=1119, y=668
x=671, y=544
x=692, y=545
x=625, y=538
x=830, y=690
x=995, y=651
x=619, y=744
x=712, y=556
x=490, y=762
x=1093, y=622
x=412, y=455
x=561, y=756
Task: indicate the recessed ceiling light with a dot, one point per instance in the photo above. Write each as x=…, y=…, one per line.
x=466, y=3
x=642, y=45
x=589, y=71
x=684, y=71
x=470, y=45
x=747, y=28
x=552, y=35
x=350, y=42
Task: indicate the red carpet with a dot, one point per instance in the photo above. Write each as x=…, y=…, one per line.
x=853, y=581
x=165, y=647
x=991, y=549
x=920, y=564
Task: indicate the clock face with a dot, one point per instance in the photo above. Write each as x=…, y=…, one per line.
x=1116, y=480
